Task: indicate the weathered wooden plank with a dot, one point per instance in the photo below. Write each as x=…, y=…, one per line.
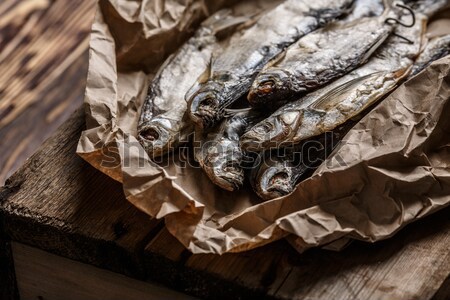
x=44, y=60
x=411, y=265
x=444, y=291
x=8, y=288
x=23, y=136
x=262, y=270
x=57, y=202
x=41, y=275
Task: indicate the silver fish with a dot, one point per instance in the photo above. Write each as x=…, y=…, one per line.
x=163, y=123
x=218, y=151
x=435, y=49
x=231, y=73
x=343, y=99
x=318, y=58
x=278, y=174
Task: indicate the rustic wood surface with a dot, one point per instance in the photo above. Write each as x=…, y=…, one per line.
x=58, y=203
x=43, y=63
x=41, y=275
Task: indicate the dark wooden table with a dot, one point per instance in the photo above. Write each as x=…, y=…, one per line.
x=68, y=223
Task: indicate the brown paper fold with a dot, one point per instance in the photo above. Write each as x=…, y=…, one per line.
x=391, y=169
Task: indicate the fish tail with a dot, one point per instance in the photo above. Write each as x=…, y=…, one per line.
x=223, y=20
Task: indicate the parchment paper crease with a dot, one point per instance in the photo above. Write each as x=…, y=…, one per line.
x=392, y=168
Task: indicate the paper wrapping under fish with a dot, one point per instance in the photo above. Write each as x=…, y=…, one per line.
x=392, y=168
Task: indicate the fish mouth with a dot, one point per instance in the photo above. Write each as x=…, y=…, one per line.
x=229, y=176
x=269, y=87
x=274, y=183
x=155, y=139
x=203, y=109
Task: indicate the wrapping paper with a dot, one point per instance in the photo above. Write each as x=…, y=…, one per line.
x=391, y=169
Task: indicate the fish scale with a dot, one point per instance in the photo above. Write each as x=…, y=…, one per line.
x=343, y=99
x=234, y=69
x=163, y=123
x=318, y=58
x=436, y=48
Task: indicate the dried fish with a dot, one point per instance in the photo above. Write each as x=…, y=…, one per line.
x=163, y=123
x=319, y=58
x=231, y=73
x=218, y=151
x=277, y=175
x=436, y=48
x=343, y=99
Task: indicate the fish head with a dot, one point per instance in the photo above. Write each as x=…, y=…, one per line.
x=221, y=161
x=158, y=136
x=204, y=105
x=272, y=132
x=273, y=179
x=269, y=88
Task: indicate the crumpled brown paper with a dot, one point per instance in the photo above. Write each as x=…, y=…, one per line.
x=392, y=168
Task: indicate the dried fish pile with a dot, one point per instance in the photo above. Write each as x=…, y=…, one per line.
x=267, y=97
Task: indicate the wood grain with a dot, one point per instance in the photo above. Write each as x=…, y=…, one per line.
x=41, y=275
x=63, y=205
x=43, y=58
x=58, y=203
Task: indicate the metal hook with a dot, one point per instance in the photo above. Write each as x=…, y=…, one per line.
x=403, y=38
x=396, y=21
x=393, y=20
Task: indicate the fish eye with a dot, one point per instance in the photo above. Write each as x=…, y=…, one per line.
x=263, y=128
x=266, y=126
x=208, y=101
x=266, y=87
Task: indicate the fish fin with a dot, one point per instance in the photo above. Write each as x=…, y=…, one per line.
x=223, y=28
x=203, y=78
x=276, y=59
x=207, y=73
x=333, y=96
x=375, y=46
x=252, y=19
x=216, y=17
x=229, y=112
x=222, y=21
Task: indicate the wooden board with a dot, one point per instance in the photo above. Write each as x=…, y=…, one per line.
x=8, y=288
x=60, y=204
x=63, y=205
x=41, y=275
x=43, y=58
